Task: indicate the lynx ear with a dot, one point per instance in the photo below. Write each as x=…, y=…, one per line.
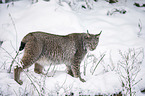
x=88, y=34
x=98, y=35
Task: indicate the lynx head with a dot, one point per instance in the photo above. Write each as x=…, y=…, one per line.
x=91, y=41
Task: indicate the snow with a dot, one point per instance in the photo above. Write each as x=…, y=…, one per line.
x=119, y=32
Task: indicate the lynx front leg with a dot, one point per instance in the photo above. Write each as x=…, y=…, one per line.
x=69, y=71
x=76, y=61
x=76, y=72
x=76, y=69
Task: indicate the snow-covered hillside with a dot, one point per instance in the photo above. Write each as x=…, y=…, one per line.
x=119, y=32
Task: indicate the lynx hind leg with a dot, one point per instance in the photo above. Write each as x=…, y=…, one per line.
x=31, y=55
x=38, y=68
x=17, y=72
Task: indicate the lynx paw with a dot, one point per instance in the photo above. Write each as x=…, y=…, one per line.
x=70, y=73
x=82, y=80
x=20, y=82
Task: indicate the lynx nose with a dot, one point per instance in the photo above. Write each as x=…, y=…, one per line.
x=93, y=48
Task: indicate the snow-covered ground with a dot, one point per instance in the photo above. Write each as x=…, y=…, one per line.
x=119, y=32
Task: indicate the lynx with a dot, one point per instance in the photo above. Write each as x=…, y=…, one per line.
x=55, y=49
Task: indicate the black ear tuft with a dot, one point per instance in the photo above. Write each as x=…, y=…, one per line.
x=88, y=34
x=22, y=46
x=87, y=31
x=100, y=32
x=1, y=42
x=98, y=35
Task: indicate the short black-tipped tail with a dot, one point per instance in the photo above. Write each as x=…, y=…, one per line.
x=1, y=42
x=22, y=46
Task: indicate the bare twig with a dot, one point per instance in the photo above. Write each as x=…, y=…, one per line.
x=140, y=28
x=17, y=53
x=44, y=79
x=9, y=70
x=14, y=28
x=98, y=63
x=130, y=64
x=113, y=67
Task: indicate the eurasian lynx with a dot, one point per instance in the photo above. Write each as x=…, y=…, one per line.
x=69, y=50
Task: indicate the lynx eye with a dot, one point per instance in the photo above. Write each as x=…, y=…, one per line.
x=89, y=38
x=97, y=37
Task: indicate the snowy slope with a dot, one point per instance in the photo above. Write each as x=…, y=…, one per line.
x=119, y=32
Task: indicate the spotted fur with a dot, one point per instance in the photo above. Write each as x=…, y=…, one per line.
x=42, y=48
